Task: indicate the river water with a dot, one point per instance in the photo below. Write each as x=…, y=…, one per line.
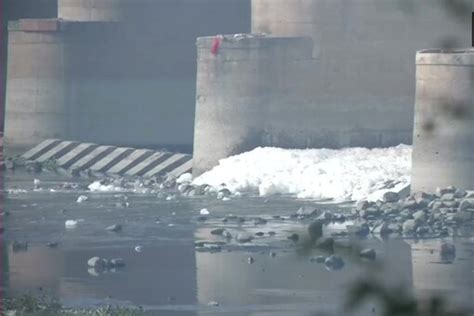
x=170, y=276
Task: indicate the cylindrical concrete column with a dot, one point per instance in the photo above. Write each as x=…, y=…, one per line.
x=242, y=81
x=443, y=138
x=90, y=10
x=35, y=104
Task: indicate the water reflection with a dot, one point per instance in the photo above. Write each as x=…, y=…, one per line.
x=171, y=277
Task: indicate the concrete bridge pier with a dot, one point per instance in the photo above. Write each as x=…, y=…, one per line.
x=443, y=137
x=247, y=87
x=90, y=10
x=35, y=91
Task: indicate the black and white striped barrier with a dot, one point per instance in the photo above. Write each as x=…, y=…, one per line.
x=124, y=161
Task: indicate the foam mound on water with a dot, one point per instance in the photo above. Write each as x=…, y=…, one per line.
x=343, y=175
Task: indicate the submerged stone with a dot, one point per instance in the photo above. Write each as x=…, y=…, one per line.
x=368, y=254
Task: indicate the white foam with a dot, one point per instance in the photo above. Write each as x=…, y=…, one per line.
x=97, y=186
x=343, y=174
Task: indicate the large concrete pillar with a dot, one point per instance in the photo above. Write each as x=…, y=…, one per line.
x=443, y=138
x=365, y=49
x=244, y=90
x=35, y=104
x=90, y=10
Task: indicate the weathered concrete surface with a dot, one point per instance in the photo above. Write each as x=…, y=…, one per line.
x=364, y=79
x=245, y=94
x=131, y=83
x=90, y=10
x=35, y=98
x=443, y=138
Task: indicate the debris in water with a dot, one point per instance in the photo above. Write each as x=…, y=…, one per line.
x=70, y=223
x=82, y=198
x=115, y=228
x=36, y=184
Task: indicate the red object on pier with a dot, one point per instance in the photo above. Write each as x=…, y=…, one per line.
x=215, y=45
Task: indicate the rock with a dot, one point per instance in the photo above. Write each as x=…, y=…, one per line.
x=217, y=231
x=368, y=254
x=34, y=166
x=260, y=221
x=224, y=193
x=259, y=234
x=382, y=229
x=334, y=262
x=82, y=198
x=422, y=230
x=388, y=208
x=339, y=217
x=362, y=205
x=464, y=216
x=447, y=250
x=391, y=197
x=318, y=259
x=459, y=194
x=422, y=203
x=394, y=227
x=307, y=211
x=442, y=191
x=470, y=195
x=250, y=260
x=465, y=204
x=117, y=263
x=409, y=226
x=422, y=196
x=419, y=217
x=244, y=238
x=97, y=263
x=226, y=234
x=435, y=205
x=325, y=216
x=294, y=237
x=373, y=212
x=360, y=230
x=115, y=228
x=272, y=254
x=325, y=243
x=447, y=197
x=315, y=230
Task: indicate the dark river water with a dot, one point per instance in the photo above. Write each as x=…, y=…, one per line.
x=169, y=276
